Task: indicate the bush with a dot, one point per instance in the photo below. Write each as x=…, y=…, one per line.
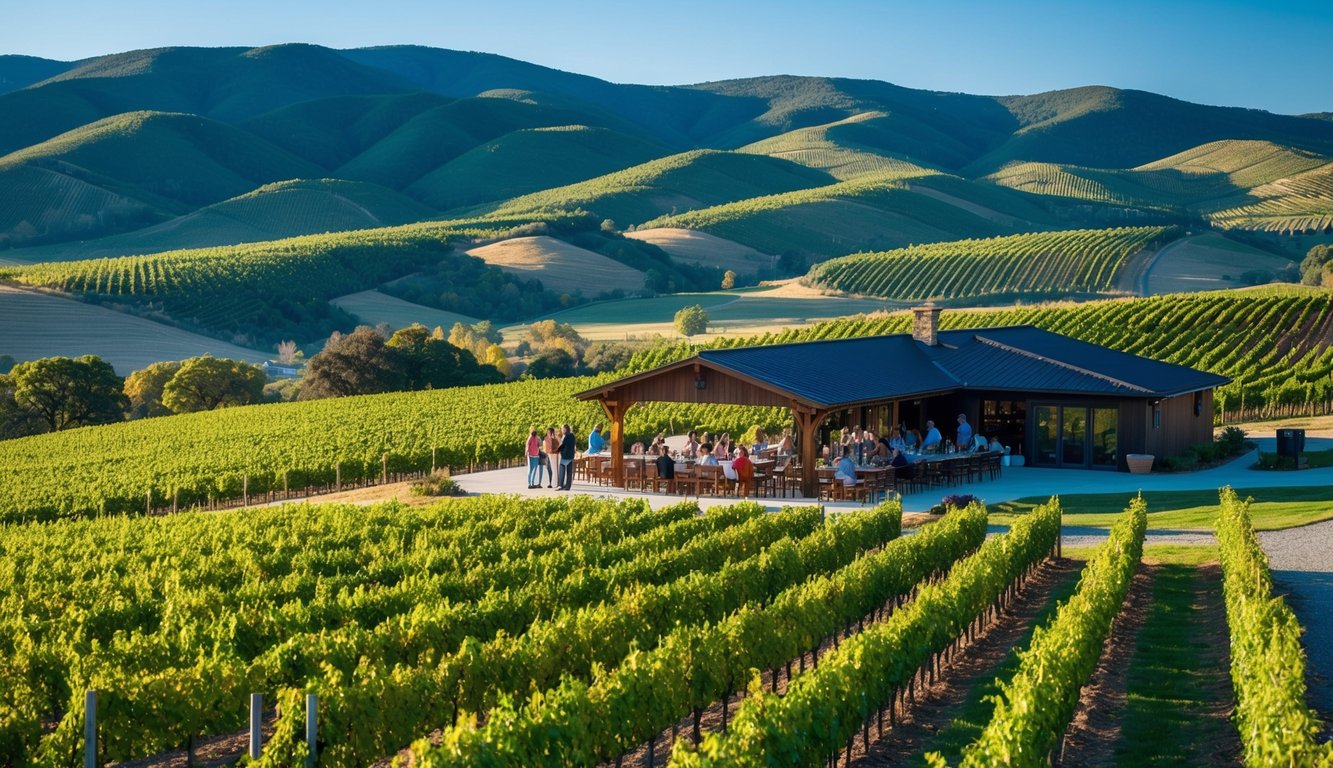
x=437, y=484
x=954, y=501
x=691, y=320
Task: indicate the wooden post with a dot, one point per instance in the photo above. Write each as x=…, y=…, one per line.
x=175, y=500
x=311, y=730
x=384, y=469
x=807, y=423
x=338, y=476
x=286, y=494
x=432, y=460
x=90, y=729
x=615, y=414
x=256, y=717
x=148, y=502
x=245, y=489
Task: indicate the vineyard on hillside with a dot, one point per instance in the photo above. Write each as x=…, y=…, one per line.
x=1302, y=203
x=1045, y=264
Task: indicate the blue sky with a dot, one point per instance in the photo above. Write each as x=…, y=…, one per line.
x=1268, y=55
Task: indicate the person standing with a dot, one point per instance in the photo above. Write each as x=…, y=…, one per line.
x=595, y=442
x=933, y=438
x=567, y=450
x=534, y=460
x=964, y=441
x=549, y=447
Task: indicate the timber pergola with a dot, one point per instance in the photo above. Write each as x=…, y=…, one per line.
x=721, y=377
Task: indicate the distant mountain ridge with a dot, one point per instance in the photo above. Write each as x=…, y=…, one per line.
x=115, y=143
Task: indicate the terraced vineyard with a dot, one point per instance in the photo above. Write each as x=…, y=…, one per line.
x=1302, y=203
x=1045, y=264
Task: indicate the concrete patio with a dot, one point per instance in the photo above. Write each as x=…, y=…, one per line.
x=1013, y=483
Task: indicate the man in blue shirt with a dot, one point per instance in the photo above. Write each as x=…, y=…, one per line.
x=964, y=441
x=595, y=442
x=931, y=442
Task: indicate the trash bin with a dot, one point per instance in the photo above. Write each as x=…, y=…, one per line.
x=1290, y=442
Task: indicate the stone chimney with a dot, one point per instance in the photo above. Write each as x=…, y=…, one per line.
x=926, y=324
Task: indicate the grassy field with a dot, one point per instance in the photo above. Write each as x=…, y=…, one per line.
x=34, y=325
x=1273, y=509
x=373, y=308
x=696, y=247
x=732, y=313
x=560, y=266
x=1208, y=262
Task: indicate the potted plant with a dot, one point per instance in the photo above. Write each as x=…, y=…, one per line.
x=1139, y=463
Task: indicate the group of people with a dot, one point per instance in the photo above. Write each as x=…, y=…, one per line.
x=542, y=448
x=851, y=447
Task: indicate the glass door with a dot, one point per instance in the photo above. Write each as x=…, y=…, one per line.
x=1105, y=446
x=1073, y=436
x=1047, y=432
x=1076, y=436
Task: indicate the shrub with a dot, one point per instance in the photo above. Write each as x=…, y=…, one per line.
x=691, y=320
x=438, y=483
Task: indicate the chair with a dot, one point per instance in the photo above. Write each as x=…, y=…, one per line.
x=634, y=476
x=957, y=470
x=993, y=464
x=658, y=483
x=687, y=480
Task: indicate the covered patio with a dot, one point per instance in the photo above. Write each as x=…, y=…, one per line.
x=1063, y=402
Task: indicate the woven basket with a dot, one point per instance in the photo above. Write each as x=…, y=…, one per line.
x=1139, y=463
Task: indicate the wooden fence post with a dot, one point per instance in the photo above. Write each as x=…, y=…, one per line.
x=384, y=468
x=338, y=476
x=148, y=502
x=245, y=489
x=432, y=459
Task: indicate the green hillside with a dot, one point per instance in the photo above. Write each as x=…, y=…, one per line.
x=835, y=150
x=41, y=205
x=678, y=183
x=867, y=213
x=438, y=135
x=1049, y=264
x=21, y=71
x=528, y=161
x=186, y=159
x=1101, y=127
x=228, y=84
x=332, y=131
x=271, y=212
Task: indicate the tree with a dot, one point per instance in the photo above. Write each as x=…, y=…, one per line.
x=552, y=364
x=1317, y=262
x=497, y=359
x=288, y=352
x=546, y=335
x=16, y=420
x=729, y=280
x=692, y=320
x=475, y=338
x=430, y=362
x=70, y=392
x=144, y=389
x=205, y=383
x=358, y=363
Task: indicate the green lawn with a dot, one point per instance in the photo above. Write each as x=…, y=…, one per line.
x=1273, y=508
x=1177, y=687
x=1320, y=458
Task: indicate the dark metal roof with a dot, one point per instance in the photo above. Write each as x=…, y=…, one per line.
x=1022, y=358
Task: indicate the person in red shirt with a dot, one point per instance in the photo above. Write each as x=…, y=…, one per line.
x=744, y=469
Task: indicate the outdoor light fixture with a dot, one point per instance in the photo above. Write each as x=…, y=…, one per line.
x=700, y=382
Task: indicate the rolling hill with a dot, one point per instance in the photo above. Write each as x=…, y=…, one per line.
x=271, y=212
x=560, y=266
x=35, y=325
x=681, y=182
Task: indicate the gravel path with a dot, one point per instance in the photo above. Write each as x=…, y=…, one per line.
x=1302, y=563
